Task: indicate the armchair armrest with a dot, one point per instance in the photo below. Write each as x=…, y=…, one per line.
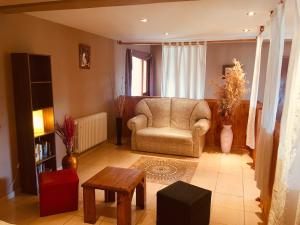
x=138, y=122
x=201, y=127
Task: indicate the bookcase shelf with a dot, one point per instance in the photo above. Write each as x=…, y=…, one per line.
x=37, y=135
x=41, y=82
x=44, y=160
x=34, y=112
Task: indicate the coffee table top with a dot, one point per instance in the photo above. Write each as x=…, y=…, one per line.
x=115, y=179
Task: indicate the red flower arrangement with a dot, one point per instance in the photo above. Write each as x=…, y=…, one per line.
x=66, y=132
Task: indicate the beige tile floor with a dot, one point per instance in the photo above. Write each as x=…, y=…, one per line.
x=228, y=176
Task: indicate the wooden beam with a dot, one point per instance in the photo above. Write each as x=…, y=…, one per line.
x=187, y=43
x=159, y=43
x=75, y=4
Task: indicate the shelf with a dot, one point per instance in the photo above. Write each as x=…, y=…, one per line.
x=34, y=112
x=41, y=82
x=40, y=68
x=43, y=134
x=41, y=95
x=44, y=160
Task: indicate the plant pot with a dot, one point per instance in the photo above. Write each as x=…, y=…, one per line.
x=70, y=162
x=119, y=125
x=226, y=138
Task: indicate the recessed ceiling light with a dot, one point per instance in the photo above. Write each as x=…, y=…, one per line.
x=251, y=13
x=246, y=30
x=144, y=20
x=166, y=33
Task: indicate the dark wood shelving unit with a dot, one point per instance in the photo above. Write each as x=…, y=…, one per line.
x=34, y=112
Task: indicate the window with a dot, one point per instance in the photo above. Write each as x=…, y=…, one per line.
x=139, y=79
x=138, y=73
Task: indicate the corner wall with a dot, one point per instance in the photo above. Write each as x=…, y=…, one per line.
x=77, y=92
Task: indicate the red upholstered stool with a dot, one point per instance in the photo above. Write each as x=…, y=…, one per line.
x=58, y=192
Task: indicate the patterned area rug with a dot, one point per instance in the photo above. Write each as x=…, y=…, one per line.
x=166, y=171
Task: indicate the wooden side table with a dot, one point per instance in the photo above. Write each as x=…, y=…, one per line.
x=115, y=180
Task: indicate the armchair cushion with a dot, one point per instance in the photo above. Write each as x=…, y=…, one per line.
x=168, y=134
x=143, y=108
x=201, y=127
x=138, y=122
x=181, y=111
x=160, y=110
x=201, y=111
x=165, y=140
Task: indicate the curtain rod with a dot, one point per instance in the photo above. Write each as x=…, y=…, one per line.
x=187, y=42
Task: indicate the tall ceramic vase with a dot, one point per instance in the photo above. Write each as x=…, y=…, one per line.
x=119, y=122
x=226, y=138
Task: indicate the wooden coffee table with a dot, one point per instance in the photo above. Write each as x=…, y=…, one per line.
x=112, y=180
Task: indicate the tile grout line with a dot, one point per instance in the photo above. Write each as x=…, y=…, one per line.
x=69, y=219
x=215, y=188
x=243, y=191
x=140, y=217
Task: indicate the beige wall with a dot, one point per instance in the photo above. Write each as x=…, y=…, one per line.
x=76, y=92
x=217, y=55
x=222, y=54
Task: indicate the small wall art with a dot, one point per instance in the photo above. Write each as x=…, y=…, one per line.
x=226, y=69
x=84, y=56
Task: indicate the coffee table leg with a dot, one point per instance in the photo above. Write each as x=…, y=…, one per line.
x=89, y=205
x=124, y=208
x=109, y=196
x=141, y=194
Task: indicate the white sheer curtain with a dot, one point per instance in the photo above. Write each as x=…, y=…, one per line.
x=285, y=207
x=250, y=138
x=270, y=101
x=183, y=72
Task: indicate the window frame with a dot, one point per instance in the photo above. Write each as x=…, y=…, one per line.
x=144, y=57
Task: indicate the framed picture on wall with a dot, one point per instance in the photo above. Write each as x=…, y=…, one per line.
x=226, y=70
x=84, y=56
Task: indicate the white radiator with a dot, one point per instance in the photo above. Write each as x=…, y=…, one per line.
x=90, y=131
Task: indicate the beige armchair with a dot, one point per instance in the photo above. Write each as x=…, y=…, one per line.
x=170, y=125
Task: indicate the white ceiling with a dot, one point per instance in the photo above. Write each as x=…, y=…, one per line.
x=192, y=20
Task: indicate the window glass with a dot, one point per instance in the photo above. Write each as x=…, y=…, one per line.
x=139, y=77
x=144, y=77
x=137, y=67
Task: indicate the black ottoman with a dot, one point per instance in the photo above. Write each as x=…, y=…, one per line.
x=183, y=204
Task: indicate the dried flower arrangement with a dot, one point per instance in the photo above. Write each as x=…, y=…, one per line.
x=231, y=91
x=120, y=100
x=66, y=132
x=119, y=105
